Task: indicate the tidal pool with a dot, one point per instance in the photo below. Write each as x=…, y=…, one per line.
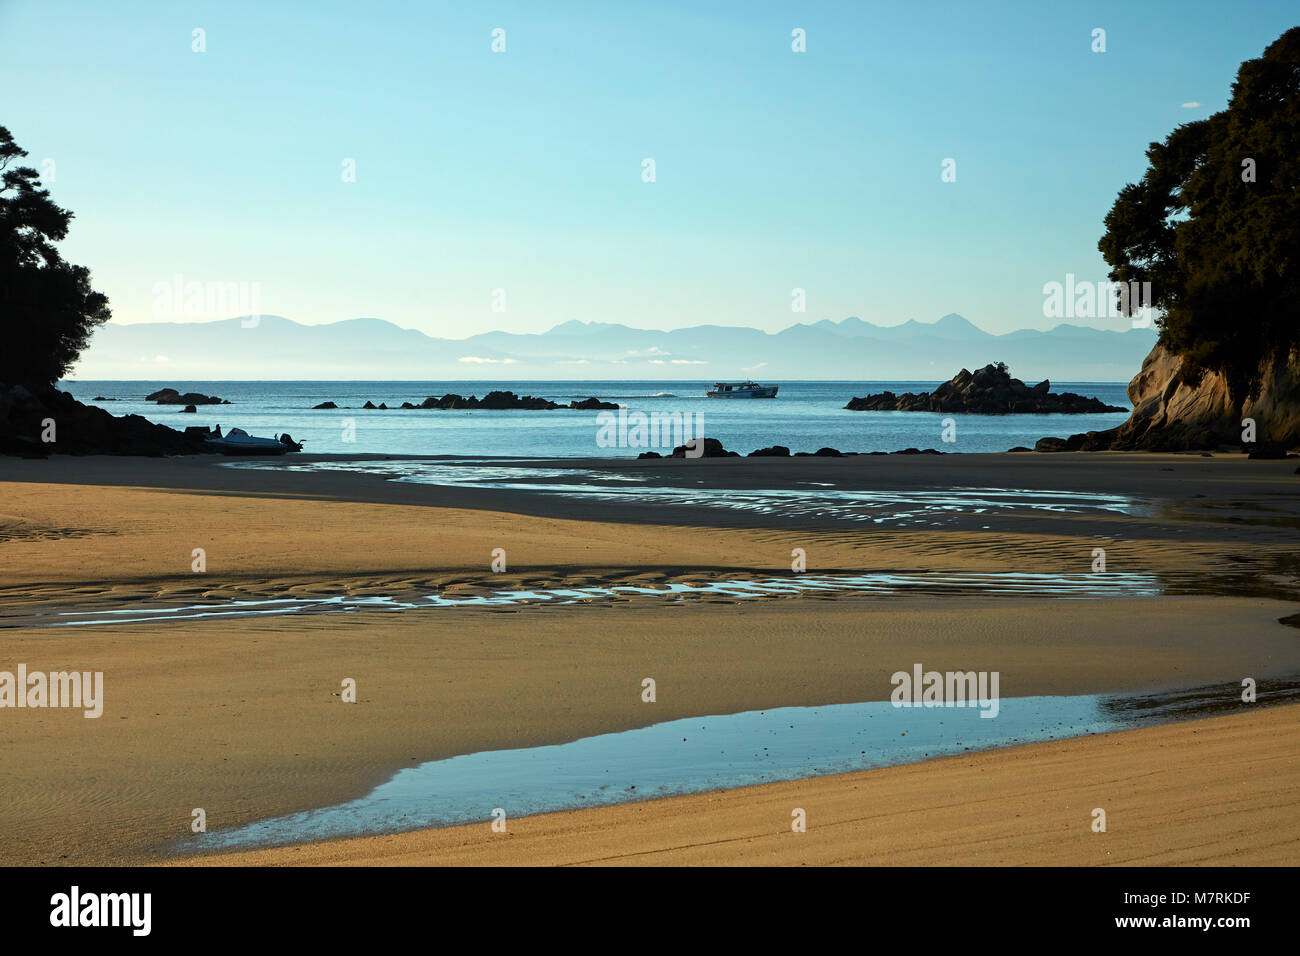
x=698, y=754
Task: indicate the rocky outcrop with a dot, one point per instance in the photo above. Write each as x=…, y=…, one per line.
x=1173, y=410
x=712, y=449
x=506, y=401
x=169, y=396
x=38, y=423
x=987, y=391
x=776, y=451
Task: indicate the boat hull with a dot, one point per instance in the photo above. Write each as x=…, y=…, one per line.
x=247, y=448
x=768, y=391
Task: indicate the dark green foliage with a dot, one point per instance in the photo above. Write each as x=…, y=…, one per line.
x=1223, y=254
x=47, y=308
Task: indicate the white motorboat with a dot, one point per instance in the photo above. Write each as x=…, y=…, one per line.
x=743, y=390
x=239, y=442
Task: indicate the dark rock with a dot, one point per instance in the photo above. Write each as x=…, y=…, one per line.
x=828, y=453
x=1268, y=451
x=499, y=400
x=101, y=398
x=1019, y=448
x=323, y=405
x=987, y=391
x=776, y=451
x=81, y=429
x=383, y=406
x=649, y=454
x=189, y=408
x=712, y=449
x=1050, y=444
x=370, y=405
x=169, y=396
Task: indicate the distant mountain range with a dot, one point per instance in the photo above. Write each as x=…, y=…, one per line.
x=373, y=349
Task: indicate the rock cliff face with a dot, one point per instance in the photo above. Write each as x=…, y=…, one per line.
x=987, y=391
x=1171, y=412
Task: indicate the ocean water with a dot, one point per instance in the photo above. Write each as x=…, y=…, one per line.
x=804, y=417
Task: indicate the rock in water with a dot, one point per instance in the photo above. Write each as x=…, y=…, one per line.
x=712, y=449
x=987, y=391
x=169, y=396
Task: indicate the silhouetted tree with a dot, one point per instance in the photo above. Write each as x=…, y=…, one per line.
x=1214, y=225
x=47, y=307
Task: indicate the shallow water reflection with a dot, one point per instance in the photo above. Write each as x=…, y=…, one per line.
x=710, y=753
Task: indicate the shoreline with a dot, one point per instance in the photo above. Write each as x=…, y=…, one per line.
x=1028, y=805
x=189, y=723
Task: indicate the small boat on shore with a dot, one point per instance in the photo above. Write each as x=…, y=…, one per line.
x=239, y=442
x=743, y=390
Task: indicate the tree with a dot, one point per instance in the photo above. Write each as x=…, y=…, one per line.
x=1214, y=226
x=47, y=308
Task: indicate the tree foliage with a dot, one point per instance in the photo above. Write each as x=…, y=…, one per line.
x=1222, y=252
x=47, y=308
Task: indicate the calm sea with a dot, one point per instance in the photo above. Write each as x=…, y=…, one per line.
x=804, y=417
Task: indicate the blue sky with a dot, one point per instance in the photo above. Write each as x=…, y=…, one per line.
x=522, y=170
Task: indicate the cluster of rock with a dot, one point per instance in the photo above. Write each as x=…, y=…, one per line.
x=1176, y=410
x=29, y=418
x=987, y=391
x=169, y=396
x=496, y=401
x=713, y=449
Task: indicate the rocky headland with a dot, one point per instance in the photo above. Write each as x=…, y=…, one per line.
x=1177, y=409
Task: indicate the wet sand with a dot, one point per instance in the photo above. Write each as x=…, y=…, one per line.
x=240, y=717
x=1215, y=792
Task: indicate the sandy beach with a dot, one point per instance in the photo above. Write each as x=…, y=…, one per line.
x=241, y=715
